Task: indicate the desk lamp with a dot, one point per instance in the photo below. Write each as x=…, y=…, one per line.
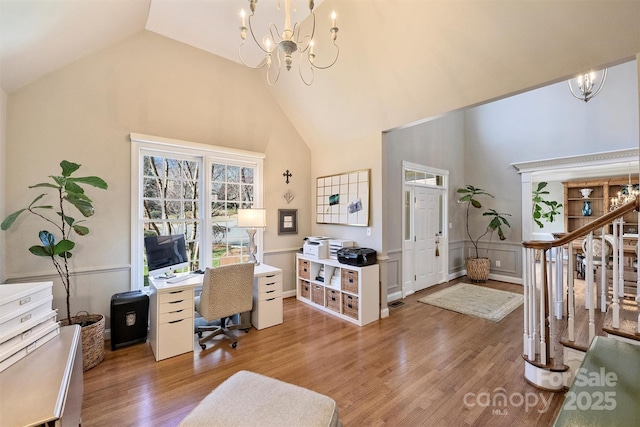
x=252, y=219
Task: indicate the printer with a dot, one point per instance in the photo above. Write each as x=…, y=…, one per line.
x=358, y=257
x=316, y=247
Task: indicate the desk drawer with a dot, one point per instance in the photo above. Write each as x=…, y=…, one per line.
x=269, y=282
x=24, y=314
x=170, y=307
x=175, y=295
x=174, y=315
x=273, y=293
x=267, y=313
x=176, y=337
x=24, y=296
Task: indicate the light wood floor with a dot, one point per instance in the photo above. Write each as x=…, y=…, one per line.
x=422, y=366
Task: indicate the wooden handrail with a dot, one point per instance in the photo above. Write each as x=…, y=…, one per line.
x=583, y=231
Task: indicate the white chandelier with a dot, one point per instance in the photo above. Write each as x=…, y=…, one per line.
x=290, y=41
x=587, y=85
x=628, y=193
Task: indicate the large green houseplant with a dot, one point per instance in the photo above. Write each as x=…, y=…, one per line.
x=542, y=209
x=478, y=267
x=69, y=193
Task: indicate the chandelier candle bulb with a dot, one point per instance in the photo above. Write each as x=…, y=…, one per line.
x=333, y=19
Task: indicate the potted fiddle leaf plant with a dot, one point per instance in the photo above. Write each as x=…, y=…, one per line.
x=542, y=209
x=58, y=245
x=478, y=267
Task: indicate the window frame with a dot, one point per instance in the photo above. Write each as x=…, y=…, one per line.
x=142, y=145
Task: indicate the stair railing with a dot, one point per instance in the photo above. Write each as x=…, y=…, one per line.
x=544, y=283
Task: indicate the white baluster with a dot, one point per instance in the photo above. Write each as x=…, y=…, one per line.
x=590, y=290
x=533, y=313
x=603, y=274
x=559, y=283
x=618, y=252
x=570, y=295
x=526, y=283
x=543, y=304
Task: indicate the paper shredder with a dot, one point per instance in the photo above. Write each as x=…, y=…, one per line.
x=129, y=318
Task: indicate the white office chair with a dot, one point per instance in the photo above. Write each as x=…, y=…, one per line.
x=226, y=291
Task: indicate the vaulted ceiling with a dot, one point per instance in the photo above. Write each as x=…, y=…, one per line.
x=400, y=60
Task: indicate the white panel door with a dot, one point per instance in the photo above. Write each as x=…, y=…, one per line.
x=426, y=233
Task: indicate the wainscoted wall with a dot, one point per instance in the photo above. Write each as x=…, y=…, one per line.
x=394, y=275
x=507, y=254
x=284, y=259
x=456, y=259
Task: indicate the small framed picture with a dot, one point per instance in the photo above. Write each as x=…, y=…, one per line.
x=287, y=221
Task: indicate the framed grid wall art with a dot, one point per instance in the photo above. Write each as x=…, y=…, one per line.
x=343, y=198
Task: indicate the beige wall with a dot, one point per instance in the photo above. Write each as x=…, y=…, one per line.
x=3, y=169
x=152, y=85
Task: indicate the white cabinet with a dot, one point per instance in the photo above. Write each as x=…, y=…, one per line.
x=171, y=327
x=349, y=292
x=267, y=297
x=46, y=387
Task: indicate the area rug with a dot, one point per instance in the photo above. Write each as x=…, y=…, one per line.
x=486, y=303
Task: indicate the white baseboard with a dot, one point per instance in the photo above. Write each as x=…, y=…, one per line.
x=289, y=294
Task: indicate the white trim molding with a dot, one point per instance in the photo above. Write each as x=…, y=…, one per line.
x=602, y=158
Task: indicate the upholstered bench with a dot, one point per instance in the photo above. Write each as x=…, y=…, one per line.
x=250, y=399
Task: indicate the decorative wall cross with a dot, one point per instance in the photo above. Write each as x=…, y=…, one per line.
x=287, y=175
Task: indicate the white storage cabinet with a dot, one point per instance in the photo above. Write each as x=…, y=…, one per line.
x=171, y=328
x=355, y=297
x=267, y=297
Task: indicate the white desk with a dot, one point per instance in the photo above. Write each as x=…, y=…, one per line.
x=171, y=309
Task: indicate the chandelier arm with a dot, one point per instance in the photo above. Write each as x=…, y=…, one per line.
x=319, y=67
x=604, y=78
x=254, y=36
x=302, y=76
x=269, y=82
x=573, y=93
x=261, y=64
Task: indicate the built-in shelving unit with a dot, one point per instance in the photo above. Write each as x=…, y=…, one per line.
x=600, y=200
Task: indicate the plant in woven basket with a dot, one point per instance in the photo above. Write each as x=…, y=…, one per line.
x=69, y=193
x=469, y=195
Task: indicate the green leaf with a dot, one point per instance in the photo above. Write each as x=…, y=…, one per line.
x=8, y=221
x=85, y=207
x=72, y=187
x=69, y=220
x=60, y=180
x=475, y=203
x=541, y=185
x=80, y=196
x=63, y=246
x=37, y=198
x=81, y=230
x=45, y=184
x=65, y=255
x=68, y=167
x=92, y=180
x=39, y=251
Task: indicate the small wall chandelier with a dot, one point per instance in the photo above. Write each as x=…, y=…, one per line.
x=588, y=85
x=290, y=41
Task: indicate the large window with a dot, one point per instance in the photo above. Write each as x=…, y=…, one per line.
x=170, y=201
x=171, y=195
